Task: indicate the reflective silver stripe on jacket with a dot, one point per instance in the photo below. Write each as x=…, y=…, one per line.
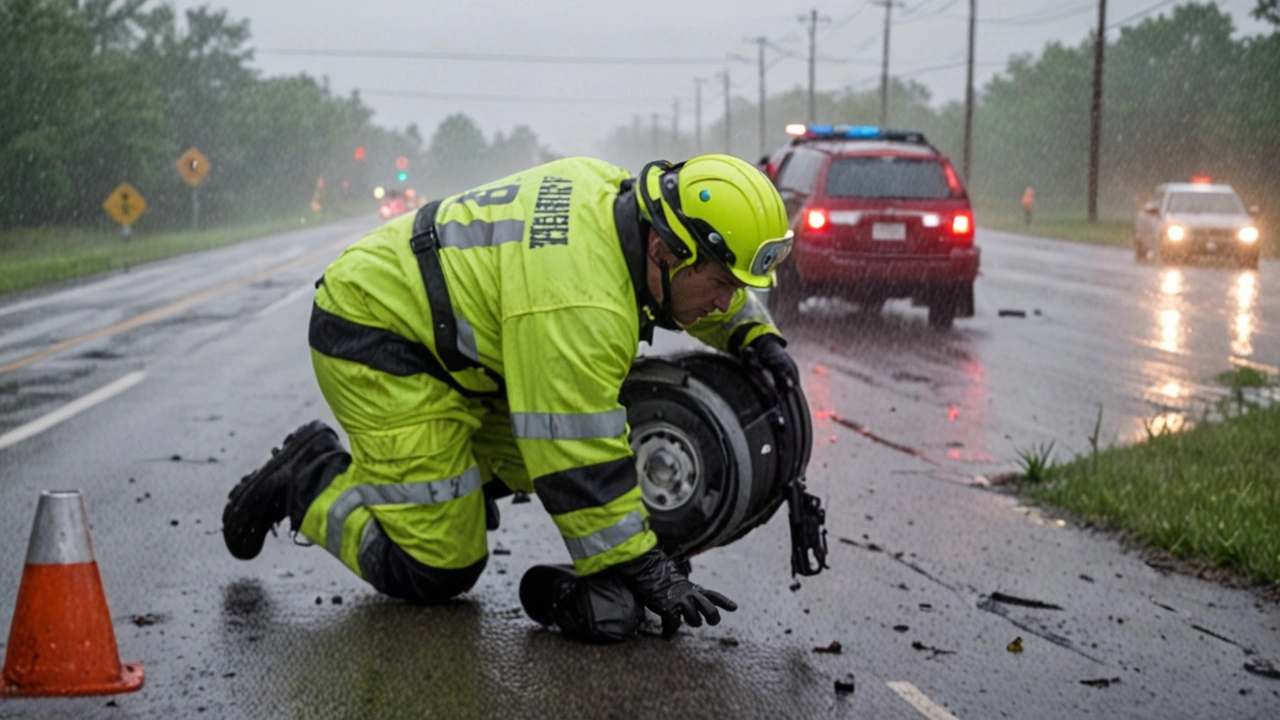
x=431, y=492
x=606, y=539
x=467, y=338
x=479, y=233
x=569, y=426
x=752, y=309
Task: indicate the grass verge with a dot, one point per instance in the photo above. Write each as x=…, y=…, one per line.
x=30, y=257
x=1208, y=495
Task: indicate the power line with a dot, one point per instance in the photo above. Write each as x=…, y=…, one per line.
x=472, y=97
x=1140, y=13
x=494, y=57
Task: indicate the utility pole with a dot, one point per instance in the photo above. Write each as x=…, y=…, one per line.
x=761, y=42
x=884, y=64
x=697, y=113
x=813, y=19
x=968, y=93
x=653, y=141
x=728, y=143
x=1095, y=113
x=675, y=121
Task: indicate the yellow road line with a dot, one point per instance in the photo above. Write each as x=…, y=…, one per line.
x=162, y=312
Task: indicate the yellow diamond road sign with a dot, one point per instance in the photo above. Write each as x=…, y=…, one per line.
x=124, y=204
x=193, y=166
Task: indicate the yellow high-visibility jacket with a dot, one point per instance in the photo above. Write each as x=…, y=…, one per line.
x=532, y=288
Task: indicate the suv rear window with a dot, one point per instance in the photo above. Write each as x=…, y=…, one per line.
x=1216, y=202
x=887, y=177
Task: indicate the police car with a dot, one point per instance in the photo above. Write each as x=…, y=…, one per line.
x=1197, y=218
x=877, y=214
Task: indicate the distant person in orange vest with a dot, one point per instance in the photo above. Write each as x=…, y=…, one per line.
x=1028, y=202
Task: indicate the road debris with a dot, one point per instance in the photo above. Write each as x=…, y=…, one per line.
x=1259, y=666
x=1101, y=682
x=1012, y=313
x=1015, y=646
x=1023, y=602
x=900, y=628
x=845, y=684
x=146, y=619
x=833, y=649
x=729, y=642
x=794, y=586
x=917, y=645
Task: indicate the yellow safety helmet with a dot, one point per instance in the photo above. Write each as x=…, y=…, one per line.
x=719, y=206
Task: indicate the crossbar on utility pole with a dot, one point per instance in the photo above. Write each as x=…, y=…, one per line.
x=1095, y=112
x=968, y=94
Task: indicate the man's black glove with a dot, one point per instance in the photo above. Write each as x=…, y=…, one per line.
x=768, y=352
x=662, y=588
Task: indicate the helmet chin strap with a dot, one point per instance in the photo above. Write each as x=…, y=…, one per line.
x=665, y=319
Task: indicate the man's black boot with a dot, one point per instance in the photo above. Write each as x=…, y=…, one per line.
x=543, y=588
x=598, y=609
x=261, y=499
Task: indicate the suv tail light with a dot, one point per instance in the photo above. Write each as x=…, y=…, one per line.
x=815, y=219
x=962, y=227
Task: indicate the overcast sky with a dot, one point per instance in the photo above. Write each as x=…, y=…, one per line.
x=572, y=106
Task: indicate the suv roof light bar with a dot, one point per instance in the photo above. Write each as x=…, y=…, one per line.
x=801, y=132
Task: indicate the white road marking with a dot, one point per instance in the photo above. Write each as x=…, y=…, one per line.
x=920, y=701
x=305, y=289
x=70, y=410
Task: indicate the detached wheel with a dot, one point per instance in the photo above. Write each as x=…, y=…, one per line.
x=712, y=451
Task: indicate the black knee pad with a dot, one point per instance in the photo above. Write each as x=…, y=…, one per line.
x=394, y=572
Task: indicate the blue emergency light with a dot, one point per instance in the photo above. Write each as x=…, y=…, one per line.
x=801, y=132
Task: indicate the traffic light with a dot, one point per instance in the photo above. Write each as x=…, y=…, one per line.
x=402, y=163
x=359, y=154
x=402, y=176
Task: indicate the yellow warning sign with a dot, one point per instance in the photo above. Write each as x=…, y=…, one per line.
x=193, y=166
x=124, y=204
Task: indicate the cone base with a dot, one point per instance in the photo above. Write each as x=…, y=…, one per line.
x=131, y=678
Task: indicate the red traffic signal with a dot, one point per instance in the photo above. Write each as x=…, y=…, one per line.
x=359, y=154
x=402, y=163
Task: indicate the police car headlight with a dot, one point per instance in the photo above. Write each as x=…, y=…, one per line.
x=1176, y=232
x=1248, y=234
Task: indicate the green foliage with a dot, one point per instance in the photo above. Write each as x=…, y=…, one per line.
x=1244, y=377
x=1211, y=493
x=1036, y=462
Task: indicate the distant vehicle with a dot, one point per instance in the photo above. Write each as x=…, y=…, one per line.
x=1197, y=218
x=877, y=214
x=393, y=204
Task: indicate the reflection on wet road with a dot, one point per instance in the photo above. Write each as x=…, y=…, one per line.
x=1085, y=330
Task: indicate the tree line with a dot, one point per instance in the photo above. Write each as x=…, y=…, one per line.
x=100, y=92
x=1182, y=97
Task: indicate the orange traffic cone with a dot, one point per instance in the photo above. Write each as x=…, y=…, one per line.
x=61, y=641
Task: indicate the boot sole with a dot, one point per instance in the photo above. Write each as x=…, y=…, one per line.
x=247, y=548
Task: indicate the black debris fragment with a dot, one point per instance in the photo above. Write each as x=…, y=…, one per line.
x=229, y=674
x=519, y=497
x=1024, y=602
x=845, y=685
x=1085, y=578
x=337, y=600
x=501, y=551
x=833, y=649
x=1259, y=666
x=917, y=645
x=795, y=586
x=1013, y=313
x=175, y=457
x=173, y=523
x=146, y=619
x=1101, y=682
x=926, y=607
x=900, y=628
x=319, y=600
x=729, y=642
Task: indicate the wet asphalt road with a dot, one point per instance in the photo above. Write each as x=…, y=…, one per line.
x=908, y=422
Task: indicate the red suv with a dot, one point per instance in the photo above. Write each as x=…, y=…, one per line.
x=877, y=214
